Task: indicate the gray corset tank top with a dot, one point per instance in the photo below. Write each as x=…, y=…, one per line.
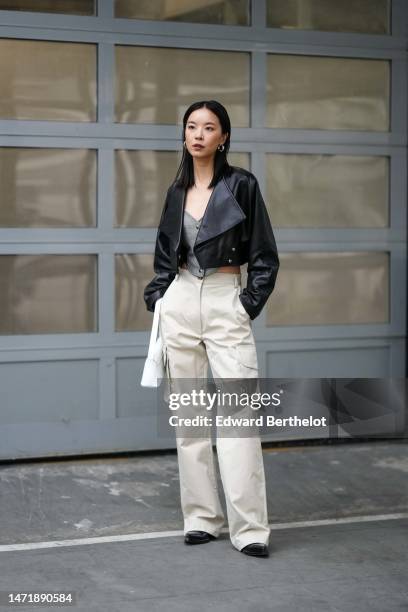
x=189, y=235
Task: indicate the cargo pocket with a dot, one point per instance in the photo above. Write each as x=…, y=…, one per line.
x=247, y=373
x=248, y=360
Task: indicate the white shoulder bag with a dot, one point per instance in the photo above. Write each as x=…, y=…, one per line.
x=153, y=369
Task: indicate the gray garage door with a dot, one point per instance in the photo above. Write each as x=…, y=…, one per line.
x=92, y=96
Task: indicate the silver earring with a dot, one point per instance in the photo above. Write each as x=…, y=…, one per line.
x=221, y=145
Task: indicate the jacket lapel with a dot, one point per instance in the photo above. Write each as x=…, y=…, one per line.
x=222, y=213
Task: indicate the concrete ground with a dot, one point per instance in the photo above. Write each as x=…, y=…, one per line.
x=110, y=530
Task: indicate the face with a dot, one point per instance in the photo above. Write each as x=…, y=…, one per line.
x=203, y=128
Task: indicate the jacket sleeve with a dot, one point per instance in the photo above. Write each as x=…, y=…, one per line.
x=161, y=265
x=263, y=260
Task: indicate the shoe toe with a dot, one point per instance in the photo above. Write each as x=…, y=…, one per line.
x=256, y=549
x=198, y=537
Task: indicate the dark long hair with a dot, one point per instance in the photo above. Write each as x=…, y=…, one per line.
x=185, y=172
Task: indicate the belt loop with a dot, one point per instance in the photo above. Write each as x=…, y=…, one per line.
x=235, y=281
x=176, y=277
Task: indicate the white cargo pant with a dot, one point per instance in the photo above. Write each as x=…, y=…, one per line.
x=202, y=320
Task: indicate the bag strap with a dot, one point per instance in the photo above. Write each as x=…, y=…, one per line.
x=155, y=327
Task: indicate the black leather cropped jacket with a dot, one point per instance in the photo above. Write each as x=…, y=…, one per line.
x=235, y=230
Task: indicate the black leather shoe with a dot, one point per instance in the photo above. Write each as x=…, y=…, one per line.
x=256, y=550
x=198, y=537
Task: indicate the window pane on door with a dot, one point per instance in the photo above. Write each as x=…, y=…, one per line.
x=48, y=294
x=132, y=273
x=47, y=187
x=365, y=16
x=47, y=81
x=141, y=182
x=70, y=7
x=327, y=93
x=328, y=190
x=156, y=85
x=331, y=289
x=223, y=12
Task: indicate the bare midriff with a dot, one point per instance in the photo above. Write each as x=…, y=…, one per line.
x=230, y=269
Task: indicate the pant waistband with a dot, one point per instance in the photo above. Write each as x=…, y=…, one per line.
x=215, y=278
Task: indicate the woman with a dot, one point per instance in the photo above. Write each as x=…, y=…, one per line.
x=213, y=221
